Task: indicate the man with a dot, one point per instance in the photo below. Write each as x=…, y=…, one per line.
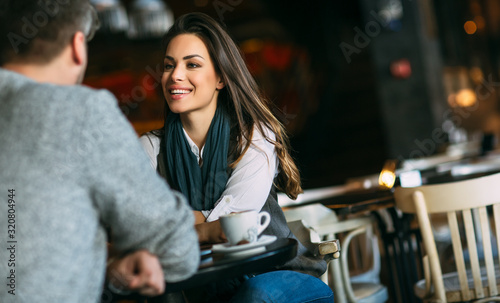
x=72, y=168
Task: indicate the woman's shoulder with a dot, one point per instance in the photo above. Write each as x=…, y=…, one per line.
x=153, y=134
x=150, y=140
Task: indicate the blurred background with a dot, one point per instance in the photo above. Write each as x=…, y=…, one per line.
x=355, y=82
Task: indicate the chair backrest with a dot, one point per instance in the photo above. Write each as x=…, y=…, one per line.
x=302, y=221
x=313, y=214
x=316, y=222
x=466, y=204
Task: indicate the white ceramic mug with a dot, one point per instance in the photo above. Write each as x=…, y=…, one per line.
x=245, y=226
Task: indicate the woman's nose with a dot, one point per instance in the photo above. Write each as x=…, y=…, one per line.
x=178, y=74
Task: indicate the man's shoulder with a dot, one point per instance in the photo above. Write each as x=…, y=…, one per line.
x=24, y=88
x=80, y=92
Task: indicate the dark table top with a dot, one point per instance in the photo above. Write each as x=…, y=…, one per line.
x=222, y=267
x=347, y=201
x=461, y=169
x=432, y=177
x=355, y=201
x=374, y=198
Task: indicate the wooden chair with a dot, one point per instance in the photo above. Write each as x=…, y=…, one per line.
x=473, y=211
x=323, y=224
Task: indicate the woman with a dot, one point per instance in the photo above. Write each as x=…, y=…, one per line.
x=222, y=147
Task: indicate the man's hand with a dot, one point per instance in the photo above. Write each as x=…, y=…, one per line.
x=139, y=271
x=210, y=232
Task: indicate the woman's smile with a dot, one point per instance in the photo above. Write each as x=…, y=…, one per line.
x=178, y=93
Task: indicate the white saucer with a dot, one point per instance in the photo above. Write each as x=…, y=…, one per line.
x=226, y=248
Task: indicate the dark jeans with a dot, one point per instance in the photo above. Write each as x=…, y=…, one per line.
x=283, y=286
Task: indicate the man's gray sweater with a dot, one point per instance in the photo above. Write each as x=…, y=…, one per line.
x=73, y=167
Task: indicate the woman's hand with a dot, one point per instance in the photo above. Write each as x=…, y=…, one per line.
x=210, y=232
x=198, y=217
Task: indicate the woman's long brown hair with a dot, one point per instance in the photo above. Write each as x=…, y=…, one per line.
x=241, y=95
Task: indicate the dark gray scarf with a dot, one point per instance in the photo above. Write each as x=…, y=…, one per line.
x=203, y=185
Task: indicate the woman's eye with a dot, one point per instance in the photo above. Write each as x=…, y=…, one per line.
x=193, y=65
x=168, y=66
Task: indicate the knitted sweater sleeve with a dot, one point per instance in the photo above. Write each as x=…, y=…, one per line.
x=138, y=206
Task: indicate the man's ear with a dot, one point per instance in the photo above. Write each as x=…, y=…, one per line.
x=79, y=48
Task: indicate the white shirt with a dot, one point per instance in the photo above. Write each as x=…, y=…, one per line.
x=250, y=182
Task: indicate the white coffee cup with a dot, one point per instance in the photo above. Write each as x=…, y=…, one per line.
x=245, y=226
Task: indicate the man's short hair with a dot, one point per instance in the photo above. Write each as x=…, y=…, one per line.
x=37, y=31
